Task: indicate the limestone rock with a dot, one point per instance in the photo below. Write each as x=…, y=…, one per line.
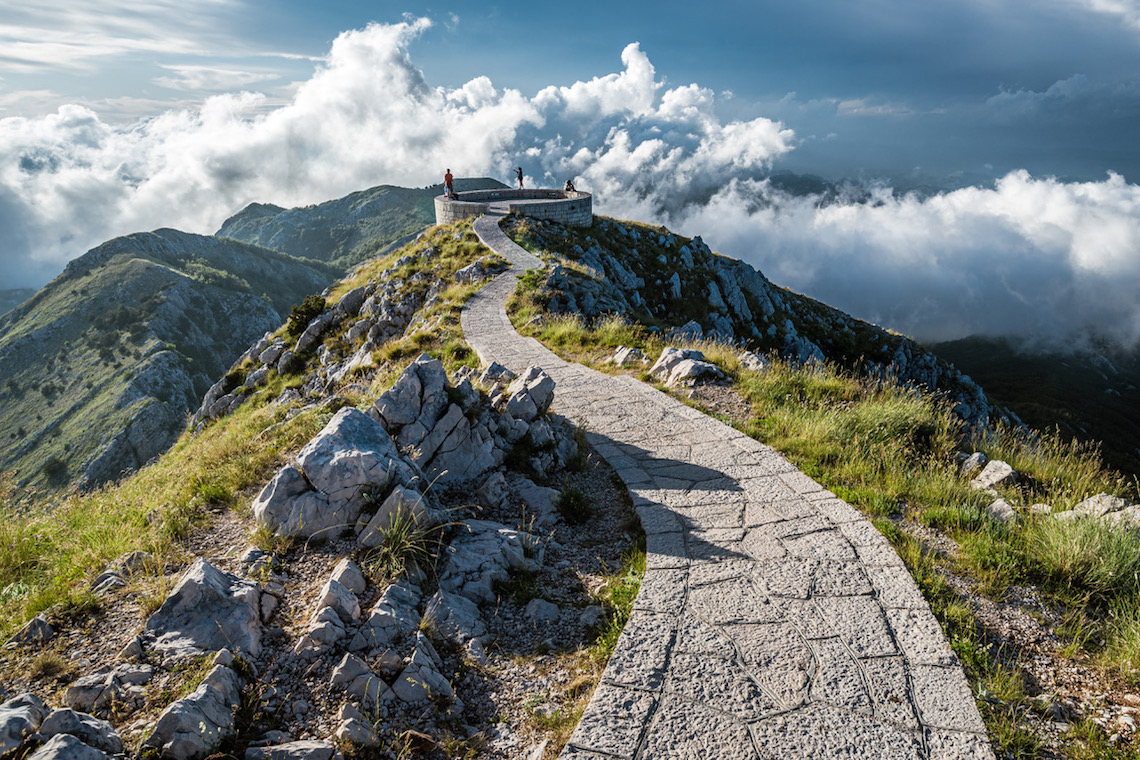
x=625, y=356
x=1100, y=506
x=394, y=615
x=542, y=612
x=422, y=679
x=1001, y=511
x=208, y=610
x=67, y=747
x=753, y=362
x=677, y=367
x=995, y=474
x=493, y=491
x=349, y=575
x=539, y=501
x=418, y=396
x=323, y=495
x=299, y=750
x=973, y=463
x=336, y=595
x=495, y=373
x=487, y=552
x=531, y=394
x=401, y=500
x=36, y=631
x=19, y=717
x=195, y=726
x=455, y=617
x=87, y=728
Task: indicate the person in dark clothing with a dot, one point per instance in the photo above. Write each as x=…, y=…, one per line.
x=518, y=175
x=569, y=186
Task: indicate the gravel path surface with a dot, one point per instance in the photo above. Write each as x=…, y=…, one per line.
x=774, y=620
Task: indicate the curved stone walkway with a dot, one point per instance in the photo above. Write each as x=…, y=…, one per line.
x=774, y=621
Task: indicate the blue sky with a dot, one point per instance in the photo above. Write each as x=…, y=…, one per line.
x=1013, y=124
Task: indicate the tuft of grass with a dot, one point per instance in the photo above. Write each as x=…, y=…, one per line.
x=574, y=506
x=618, y=595
x=51, y=666
x=407, y=544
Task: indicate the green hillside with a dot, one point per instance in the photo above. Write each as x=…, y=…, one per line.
x=345, y=231
x=100, y=367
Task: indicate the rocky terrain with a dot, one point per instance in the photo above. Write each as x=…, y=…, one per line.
x=391, y=551
x=678, y=285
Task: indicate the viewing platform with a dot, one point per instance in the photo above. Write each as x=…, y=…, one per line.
x=574, y=208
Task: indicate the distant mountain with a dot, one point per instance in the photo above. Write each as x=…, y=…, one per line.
x=345, y=231
x=99, y=368
x=1092, y=397
x=10, y=299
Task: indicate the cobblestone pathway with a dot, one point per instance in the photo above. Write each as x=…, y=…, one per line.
x=774, y=621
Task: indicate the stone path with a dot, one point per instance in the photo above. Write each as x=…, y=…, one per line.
x=774, y=620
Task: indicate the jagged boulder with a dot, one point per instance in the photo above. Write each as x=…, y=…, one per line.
x=91, y=731
x=627, y=356
x=531, y=394
x=486, y=552
x=679, y=367
x=207, y=611
x=108, y=688
x=410, y=408
x=394, y=615
x=19, y=718
x=36, y=631
x=454, y=617
x=195, y=726
x=323, y=494
x=422, y=678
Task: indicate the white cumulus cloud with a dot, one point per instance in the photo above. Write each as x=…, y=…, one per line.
x=1032, y=257
x=1051, y=262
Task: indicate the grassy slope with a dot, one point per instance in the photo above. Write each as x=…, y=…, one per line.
x=890, y=452
x=49, y=553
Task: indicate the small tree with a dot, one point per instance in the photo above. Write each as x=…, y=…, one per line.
x=55, y=469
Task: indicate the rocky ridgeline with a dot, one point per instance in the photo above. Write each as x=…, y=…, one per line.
x=657, y=278
x=363, y=473
x=376, y=312
x=130, y=335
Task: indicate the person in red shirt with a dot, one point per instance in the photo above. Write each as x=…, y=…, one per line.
x=449, y=184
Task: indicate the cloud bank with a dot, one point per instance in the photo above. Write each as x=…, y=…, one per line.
x=1028, y=257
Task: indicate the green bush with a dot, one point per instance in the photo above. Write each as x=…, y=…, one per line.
x=303, y=313
x=574, y=506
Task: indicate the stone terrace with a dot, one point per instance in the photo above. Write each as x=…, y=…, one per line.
x=573, y=208
x=773, y=621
